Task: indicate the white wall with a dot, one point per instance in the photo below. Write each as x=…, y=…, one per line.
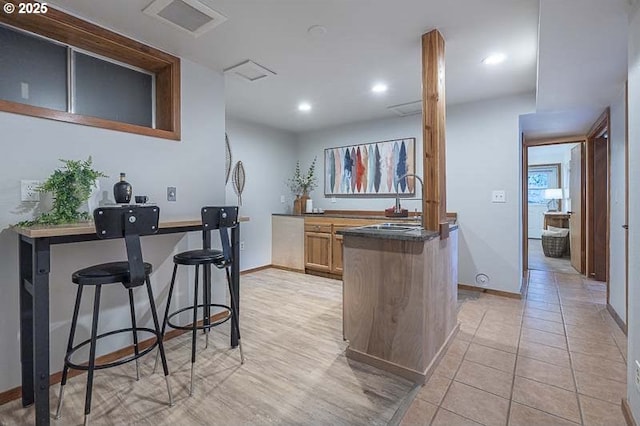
x=617, y=290
x=194, y=165
x=634, y=210
x=483, y=154
x=268, y=156
x=312, y=144
x=549, y=154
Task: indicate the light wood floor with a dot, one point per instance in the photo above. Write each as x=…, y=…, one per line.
x=554, y=358
x=295, y=370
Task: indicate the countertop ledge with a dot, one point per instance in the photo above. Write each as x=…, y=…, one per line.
x=417, y=235
x=349, y=216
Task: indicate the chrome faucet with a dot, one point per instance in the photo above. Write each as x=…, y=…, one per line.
x=397, y=208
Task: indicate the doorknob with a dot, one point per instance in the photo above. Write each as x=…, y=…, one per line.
x=625, y=226
x=569, y=212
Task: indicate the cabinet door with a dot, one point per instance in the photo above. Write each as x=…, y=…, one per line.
x=336, y=254
x=317, y=250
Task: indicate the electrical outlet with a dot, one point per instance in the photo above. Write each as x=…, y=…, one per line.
x=333, y=199
x=28, y=190
x=241, y=245
x=171, y=193
x=637, y=375
x=498, y=197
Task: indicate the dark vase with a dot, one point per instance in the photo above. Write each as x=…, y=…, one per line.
x=122, y=191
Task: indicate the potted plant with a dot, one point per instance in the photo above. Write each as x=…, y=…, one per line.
x=71, y=186
x=301, y=184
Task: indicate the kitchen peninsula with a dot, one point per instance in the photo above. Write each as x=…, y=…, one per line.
x=400, y=297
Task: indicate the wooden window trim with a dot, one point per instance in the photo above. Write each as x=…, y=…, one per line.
x=67, y=29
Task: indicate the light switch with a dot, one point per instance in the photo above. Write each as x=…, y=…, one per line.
x=282, y=199
x=498, y=197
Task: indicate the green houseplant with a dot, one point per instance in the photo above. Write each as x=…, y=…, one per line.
x=301, y=184
x=71, y=186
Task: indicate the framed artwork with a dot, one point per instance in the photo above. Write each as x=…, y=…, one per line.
x=370, y=169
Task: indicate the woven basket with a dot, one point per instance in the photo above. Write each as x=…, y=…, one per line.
x=554, y=246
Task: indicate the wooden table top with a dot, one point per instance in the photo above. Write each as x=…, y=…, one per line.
x=43, y=231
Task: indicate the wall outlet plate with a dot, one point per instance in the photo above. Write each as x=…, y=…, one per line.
x=637, y=375
x=499, y=196
x=171, y=193
x=241, y=245
x=282, y=199
x=28, y=190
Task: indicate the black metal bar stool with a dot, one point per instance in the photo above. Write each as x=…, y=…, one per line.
x=223, y=219
x=128, y=222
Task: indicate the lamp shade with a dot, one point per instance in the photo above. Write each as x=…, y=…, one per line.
x=553, y=194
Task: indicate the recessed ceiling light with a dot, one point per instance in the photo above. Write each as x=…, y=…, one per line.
x=304, y=106
x=379, y=88
x=494, y=59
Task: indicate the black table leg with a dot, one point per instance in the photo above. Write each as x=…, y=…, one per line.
x=235, y=278
x=26, y=320
x=34, y=325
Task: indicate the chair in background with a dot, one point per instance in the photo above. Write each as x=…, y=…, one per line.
x=128, y=222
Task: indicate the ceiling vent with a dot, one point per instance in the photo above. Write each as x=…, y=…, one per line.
x=411, y=108
x=249, y=71
x=187, y=15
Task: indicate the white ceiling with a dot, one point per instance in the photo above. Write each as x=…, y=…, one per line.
x=379, y=40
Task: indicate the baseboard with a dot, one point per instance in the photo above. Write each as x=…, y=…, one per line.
x=55, y=378
x=617, y=319
x=286, y=268
x=626, y=412
x=323, y=274
x=490, y=291
x=418, y=377
x=259, y=268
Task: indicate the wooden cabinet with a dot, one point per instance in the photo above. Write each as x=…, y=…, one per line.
x=323, y=244
x=317, y=251
x=336, y=254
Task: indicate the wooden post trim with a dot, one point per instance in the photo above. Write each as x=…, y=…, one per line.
x=434, y=205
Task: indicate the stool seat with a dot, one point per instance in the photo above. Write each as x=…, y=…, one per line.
x=106, y=273
x=199, y=257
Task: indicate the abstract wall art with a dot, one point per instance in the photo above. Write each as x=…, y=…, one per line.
x=370, y=169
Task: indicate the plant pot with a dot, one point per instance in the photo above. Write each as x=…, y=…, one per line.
x=297, y=207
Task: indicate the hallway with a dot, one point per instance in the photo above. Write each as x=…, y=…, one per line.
x=554, y=358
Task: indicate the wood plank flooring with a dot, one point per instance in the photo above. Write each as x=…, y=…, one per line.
x=295, y=370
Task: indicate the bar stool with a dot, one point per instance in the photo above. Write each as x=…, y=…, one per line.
x=128, y=222
x=223, y=219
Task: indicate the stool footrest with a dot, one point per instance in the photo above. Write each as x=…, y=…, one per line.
x=85, y=367
x=203, y=326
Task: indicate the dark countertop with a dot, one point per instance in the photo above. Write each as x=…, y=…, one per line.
x=413, y=235
x=350, y=216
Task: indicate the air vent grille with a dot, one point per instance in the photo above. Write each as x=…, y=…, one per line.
x=187, y=15
x=249, y=71
x=410, y=108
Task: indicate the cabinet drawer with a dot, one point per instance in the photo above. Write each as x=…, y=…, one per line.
x=317, y=227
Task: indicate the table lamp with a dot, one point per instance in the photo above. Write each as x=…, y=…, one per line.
x=553, y=195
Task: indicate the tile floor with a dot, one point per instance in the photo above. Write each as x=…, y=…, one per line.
x=554, y=358
x=540, y=262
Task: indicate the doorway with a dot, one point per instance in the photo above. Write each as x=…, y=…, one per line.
x=554, y=196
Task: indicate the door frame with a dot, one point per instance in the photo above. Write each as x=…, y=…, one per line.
x=601, y=127
x=526, y=144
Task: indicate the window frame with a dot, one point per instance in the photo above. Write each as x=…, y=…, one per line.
x=102, y=43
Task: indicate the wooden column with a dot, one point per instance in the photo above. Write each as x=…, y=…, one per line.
x=434, y=201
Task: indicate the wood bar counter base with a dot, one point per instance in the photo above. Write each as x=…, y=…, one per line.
x=400, y=299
